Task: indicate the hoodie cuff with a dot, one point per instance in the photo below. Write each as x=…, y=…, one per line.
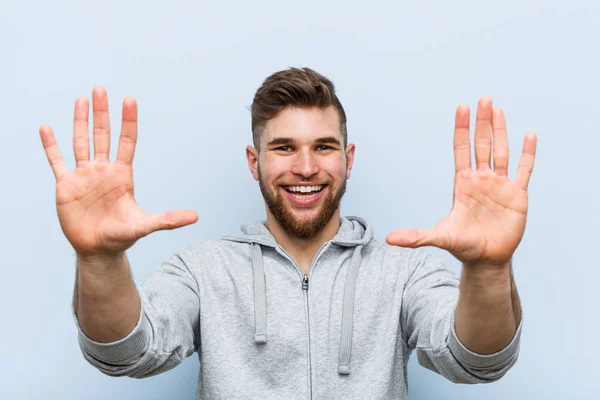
x=484, y=361
x=121, y=351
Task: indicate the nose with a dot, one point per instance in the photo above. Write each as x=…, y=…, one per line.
x=305, y=164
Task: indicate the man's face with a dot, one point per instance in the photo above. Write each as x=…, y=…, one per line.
x=302, y=168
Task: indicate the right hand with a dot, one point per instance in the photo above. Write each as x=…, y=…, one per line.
x=96, y=207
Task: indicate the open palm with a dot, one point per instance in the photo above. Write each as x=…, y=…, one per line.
x=96, y=207
x=487, y=220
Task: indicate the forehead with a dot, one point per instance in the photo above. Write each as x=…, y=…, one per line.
x=303, y=124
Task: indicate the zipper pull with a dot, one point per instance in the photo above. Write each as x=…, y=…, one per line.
x=305, y=282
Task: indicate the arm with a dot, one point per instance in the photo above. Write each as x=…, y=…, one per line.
x=483, y=230
x=122, y=331
x=104, y=284
x=429, y=308
x=488, y=311
x=166, y=328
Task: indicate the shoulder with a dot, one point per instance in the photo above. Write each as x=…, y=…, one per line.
x=202, y=251
x=403, y=259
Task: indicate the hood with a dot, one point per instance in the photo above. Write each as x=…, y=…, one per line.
x=353, y=232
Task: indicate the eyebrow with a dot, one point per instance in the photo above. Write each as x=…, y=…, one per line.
x=329, y=140
x=280, y=141
x=288, y=140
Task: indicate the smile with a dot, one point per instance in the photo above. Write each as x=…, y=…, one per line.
x=304, y=194
x=299, y=190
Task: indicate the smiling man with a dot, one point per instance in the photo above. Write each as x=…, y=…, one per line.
x=307, y=303
x=301, y=162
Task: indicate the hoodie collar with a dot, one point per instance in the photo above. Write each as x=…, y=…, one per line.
x=353, y=231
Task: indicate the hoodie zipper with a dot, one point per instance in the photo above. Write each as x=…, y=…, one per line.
x=305, y=290
x=305, y=283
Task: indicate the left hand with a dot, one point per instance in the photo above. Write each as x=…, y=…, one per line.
x=487, y=220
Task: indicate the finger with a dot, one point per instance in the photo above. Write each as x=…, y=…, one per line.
x=500, y=142
x=483, y=139
x=527, y=159
x=128, y=137
x=462, y=143
x=81, y=140
x=53, y=153
x=168, y=221
x=414, y=238
x=101, y=124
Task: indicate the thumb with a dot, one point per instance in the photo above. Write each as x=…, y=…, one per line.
x=414, y=238
x=167, y=221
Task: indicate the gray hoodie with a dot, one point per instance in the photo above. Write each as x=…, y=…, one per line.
x=264, y=330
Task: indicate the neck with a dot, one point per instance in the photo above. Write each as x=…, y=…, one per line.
x=303, y=250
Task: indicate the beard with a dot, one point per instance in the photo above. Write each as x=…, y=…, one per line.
x=302, y=227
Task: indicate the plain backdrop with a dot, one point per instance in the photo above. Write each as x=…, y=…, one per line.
x=401, y=68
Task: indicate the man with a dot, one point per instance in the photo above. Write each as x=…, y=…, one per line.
x=306, y=304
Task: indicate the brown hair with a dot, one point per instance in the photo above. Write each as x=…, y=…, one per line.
x=297, y=88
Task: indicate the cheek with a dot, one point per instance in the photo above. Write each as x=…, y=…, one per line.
x=272, y=169
x=336, y=168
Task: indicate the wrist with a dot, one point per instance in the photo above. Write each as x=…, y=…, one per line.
x=491, y=279
x=488, y=270
x=100, y=264
x=99, y=258
x=102, y=277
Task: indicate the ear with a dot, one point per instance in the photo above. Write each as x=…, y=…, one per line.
x=349, y=159
x=252, y=157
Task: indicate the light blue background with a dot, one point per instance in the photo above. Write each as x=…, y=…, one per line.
x=401, y=68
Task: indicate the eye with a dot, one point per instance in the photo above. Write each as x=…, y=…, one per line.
x=324, y=147
x=284, y=148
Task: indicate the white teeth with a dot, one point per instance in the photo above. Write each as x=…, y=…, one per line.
x=304, y=196
x=305, y=189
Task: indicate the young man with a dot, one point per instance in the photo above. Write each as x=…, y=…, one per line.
x=306, y=304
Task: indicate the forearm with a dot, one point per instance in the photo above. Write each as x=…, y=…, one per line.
x=488, y=310
x=515, y=301
x=106, y=300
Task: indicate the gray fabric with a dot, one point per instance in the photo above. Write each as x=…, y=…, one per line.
x=368, y=307
x=260, y=296
x=348, y=313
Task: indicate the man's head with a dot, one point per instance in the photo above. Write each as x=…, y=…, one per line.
x=293, y=87
x=300, y=155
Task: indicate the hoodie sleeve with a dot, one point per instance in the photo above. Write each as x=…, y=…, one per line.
x=427, y=321
x=167, y=331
